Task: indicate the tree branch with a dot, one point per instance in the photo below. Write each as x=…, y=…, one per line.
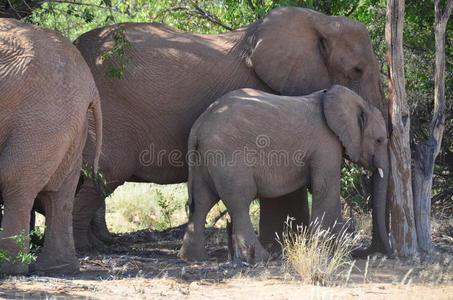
x=170, y=9
x=448, y=9
x=210, y=17
x=26, y=8
x=250, y=3
x=353, y=9
x=77, y=3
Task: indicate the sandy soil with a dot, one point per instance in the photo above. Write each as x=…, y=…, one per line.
x=144, y=265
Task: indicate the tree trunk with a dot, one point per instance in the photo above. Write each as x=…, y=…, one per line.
x=427, y=151
x=401, y=204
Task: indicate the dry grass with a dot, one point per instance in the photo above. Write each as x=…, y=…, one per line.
x=316, y=254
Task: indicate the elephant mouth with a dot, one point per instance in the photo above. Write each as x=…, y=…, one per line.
x=379, y=171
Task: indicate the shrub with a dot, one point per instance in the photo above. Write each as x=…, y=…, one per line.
x=137, y=206
x=24, y=256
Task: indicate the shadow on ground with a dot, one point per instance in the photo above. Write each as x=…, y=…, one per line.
x=146, y=261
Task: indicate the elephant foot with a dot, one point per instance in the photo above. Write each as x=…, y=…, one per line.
x=83, y=246
x=192, y=249
x=14, y=268
x=255, y=254
x=87, y=242
x=249, y=253
x=193, y=253
x=67, y=266
x=372, y=250
x=95, y=243
x=261, y=255
x=100, y=231
x=274, y=249
x=104, y=236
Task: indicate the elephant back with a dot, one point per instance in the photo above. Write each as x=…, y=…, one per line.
x=16, y=54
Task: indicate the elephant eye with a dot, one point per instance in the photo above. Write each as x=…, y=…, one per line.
x=379, y=141
x=358, y=70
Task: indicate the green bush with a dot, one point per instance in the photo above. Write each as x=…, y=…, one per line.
x=25, y=255
x=137, y=206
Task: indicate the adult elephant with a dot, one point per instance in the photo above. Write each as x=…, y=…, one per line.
x=172, y=76
x=46, y=92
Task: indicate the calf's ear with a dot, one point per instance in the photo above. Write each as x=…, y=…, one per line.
x=346, y=116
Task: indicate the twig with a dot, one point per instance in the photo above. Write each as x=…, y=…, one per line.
x=218, y=218
x=250, y=3
x=170, y=9
x=353, y=9
x=77, y=3
x=406, y=276
x=210, y=17
x=366, y=269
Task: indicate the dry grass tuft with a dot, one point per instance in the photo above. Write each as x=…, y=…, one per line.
x=316, y=254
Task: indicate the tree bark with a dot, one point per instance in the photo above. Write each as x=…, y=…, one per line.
x=427, y=151
x=402, y=223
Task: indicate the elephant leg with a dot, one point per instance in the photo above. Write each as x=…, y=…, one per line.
x=237, y=197
x=246, y=245
x=98, y=226
x=86, y=203
x=326, y=206
x=274, y=212
x=193, y=247
x=15, y=223
x=58, y=253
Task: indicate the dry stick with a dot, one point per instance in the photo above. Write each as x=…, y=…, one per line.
x=216, y=219
x=349, y=273
x=76, y=3
x=406, y=276
x=366, y=269
x=210, y=17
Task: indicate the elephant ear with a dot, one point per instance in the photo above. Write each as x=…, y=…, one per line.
x=290, y=51
x=346, y=116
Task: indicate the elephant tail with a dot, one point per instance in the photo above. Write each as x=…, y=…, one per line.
x=193, y=161
x=97, y=114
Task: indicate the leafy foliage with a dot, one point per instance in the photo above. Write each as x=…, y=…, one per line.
x=25, y=255
x=136, y=206
x=119, y=52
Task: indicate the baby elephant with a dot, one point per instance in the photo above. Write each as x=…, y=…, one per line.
x=252, y=144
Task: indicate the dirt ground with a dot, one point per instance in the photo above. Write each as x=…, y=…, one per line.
x=144, y=265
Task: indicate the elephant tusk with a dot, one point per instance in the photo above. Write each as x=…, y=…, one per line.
x=381, y=173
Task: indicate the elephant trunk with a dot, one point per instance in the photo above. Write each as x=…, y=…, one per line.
x=380, y=240
x=372, y=92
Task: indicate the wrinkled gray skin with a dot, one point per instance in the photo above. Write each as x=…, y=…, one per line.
x=47, y=91
x=297, y=141
x=173, y=76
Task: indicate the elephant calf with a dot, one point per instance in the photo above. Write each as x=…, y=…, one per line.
x=252, y=144
x=46, y=91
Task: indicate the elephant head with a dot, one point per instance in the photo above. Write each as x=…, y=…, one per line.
x=362, y=131
x=297, y=51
